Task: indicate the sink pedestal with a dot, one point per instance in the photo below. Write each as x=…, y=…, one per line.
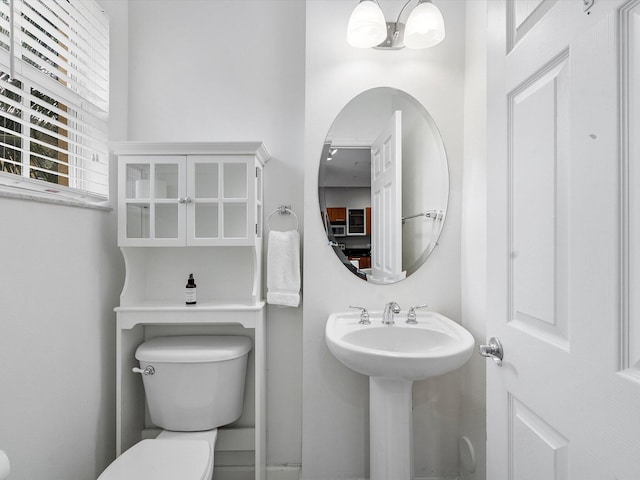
x=390, y=429
x=393, y=356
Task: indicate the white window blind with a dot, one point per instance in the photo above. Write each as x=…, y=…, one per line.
x=54, y=96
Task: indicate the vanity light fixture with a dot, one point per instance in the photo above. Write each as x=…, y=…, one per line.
x=368, y=28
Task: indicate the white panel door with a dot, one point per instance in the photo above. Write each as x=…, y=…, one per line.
x=386, y=202
x=562, y=257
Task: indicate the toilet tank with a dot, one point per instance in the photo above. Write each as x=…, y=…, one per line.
x=197, y=381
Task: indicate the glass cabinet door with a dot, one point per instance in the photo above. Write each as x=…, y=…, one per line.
x=204, y=217
x=219, y=212
x=235, y=196
x=137, y=204
x=200, y=200
x=151, y=205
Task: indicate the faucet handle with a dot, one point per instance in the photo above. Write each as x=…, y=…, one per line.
x=364, y=315
x=411, y=316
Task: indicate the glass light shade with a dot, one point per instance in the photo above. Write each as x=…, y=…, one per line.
x=367, y=26
x=425, y=26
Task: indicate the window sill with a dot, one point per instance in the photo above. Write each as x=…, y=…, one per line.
x=22, y=194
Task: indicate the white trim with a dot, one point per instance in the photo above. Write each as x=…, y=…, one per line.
x=283, y=472
x=274, y=472
x=191, y=148
x=277, y=477
x=436, y=478
x=626, y=185
x=56, y=199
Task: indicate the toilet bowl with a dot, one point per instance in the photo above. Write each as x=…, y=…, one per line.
x=193, y=385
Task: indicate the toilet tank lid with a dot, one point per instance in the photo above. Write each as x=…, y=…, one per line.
x=194, y=349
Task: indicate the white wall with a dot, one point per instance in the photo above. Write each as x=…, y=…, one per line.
x=474, y=232
x=422, y=185
x=59, y=281
x=226, y=70
x=60, y=277
x=352, y=197
x=335, y=399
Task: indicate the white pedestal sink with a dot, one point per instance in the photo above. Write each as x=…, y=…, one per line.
x=393, y=356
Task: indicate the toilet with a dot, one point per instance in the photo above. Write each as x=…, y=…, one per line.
x=193, y=385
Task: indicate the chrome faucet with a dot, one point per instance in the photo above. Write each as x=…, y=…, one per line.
x=389, y=309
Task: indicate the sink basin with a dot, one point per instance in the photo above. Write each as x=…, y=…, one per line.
x=434, y=346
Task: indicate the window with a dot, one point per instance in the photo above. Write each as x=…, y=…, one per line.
x=54, y=84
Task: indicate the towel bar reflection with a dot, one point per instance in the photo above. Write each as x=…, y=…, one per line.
x=435, y=214
x=282, y=210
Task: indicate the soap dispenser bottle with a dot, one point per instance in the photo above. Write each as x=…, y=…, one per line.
x=190, y=291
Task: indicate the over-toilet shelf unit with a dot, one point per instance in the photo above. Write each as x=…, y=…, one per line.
x=192, y=208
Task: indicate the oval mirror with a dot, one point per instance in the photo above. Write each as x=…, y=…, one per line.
x=383, y=185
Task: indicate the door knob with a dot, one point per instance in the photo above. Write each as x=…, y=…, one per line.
x=493, y=350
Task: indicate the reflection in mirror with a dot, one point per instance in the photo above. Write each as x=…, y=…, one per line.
x=383, y=185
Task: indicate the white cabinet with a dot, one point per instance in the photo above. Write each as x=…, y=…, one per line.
x=196, y=199
x=192, y=208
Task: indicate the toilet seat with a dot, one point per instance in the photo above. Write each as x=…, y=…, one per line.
x=162, y=459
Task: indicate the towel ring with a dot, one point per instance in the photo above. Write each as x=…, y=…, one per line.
x=282, y=210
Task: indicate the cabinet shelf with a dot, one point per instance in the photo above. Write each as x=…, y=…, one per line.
x=203, y=313
x=205, y=306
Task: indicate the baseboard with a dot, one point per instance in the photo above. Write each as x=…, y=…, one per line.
x=353, y=478
x=283, y=472
x=274, y=472
x=436, y=478
x=279, y=472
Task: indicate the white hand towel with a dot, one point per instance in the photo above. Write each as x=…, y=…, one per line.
x=283, y=268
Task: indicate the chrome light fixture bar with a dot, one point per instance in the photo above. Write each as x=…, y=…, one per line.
x=368, y=28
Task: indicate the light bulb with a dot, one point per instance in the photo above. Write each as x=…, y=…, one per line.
x=425, y=26
x=367, y=27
